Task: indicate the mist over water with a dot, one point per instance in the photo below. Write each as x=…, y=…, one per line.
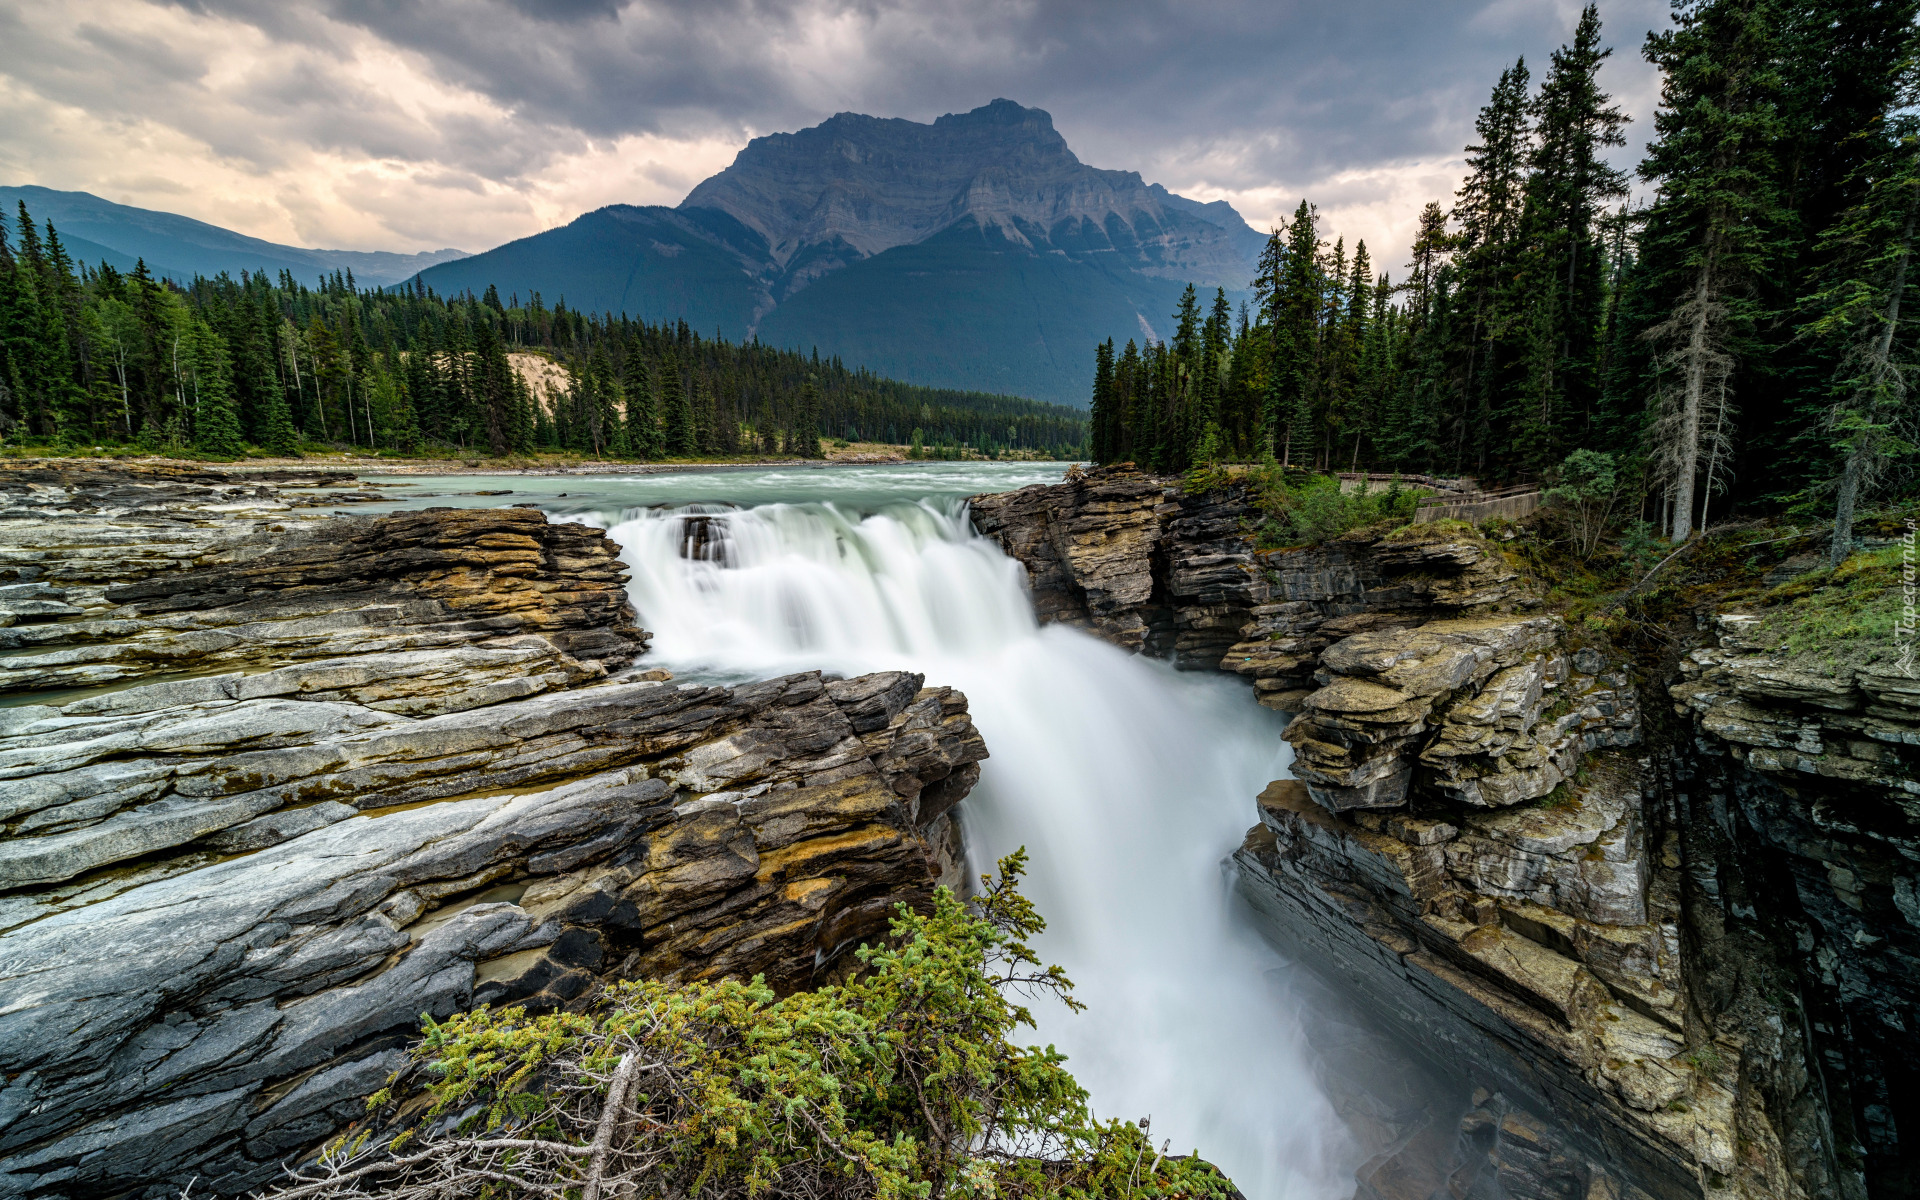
x=1127, y=782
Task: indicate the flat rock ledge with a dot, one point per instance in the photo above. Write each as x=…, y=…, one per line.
x=277, y=783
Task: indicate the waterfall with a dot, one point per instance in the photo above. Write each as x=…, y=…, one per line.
x=1127, y=782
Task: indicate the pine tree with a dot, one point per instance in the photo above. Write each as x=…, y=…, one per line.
x=601, y=417
x=643, y=422
x=804, y=438
x=520, y=407
x=1129, y=378
x=1101, y=414
x=33, y=359
x=216, y=417
x=277, y=433
x=1563, y=259
x=706, y=431
x=1298, y=301
x=1871, y=417
x=1713, y=230
x=496, y=382
x=676, y=411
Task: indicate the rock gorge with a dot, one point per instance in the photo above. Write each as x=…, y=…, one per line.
x=275, y=778
x=279, y=779
x=1649, y=929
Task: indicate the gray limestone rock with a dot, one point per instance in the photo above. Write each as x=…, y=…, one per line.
x=226, y=898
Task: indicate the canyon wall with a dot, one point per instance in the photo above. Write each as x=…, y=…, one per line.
x=1662, y=955
x=278, y=781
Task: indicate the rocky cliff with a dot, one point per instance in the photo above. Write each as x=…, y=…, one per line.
x=1659, y=961
x=855, y=186
x=1794, y=788
x=278, y=782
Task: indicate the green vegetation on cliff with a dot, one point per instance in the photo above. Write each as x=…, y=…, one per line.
x=901, y=1084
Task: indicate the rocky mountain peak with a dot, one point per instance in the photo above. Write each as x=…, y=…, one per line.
x=854, y=186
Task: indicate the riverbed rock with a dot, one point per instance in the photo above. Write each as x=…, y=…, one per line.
x=347, y=770
x=1138, y=560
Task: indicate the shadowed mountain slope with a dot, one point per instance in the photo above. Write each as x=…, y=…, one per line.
x=976, y=251
x=180, y=247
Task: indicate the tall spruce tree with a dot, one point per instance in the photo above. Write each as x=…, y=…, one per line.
x=804, y=436
x=1563, y=260
x=496, y=382
x=676, y=410
x=1870, y=417
x=1101, y=415
x=1714, y=230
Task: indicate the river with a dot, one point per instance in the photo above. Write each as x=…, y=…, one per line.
x=1127, y=782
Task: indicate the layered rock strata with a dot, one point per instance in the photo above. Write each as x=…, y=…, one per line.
x=1795, y=789
x=1475, y=843
x=1136, y=560
x=409, y=769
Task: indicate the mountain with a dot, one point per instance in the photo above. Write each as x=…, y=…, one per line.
x=180, y=247
x=973, y=252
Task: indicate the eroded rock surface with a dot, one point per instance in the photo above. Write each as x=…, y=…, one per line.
x=410, y=767
x=1799, y=807
x=1478, y=843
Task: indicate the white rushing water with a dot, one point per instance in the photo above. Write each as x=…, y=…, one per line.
x=1127, y=782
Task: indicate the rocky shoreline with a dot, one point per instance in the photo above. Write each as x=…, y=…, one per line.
x=1642, y=957
x=277, y=782
x=351, y=466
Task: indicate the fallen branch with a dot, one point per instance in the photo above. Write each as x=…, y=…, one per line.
x=609, y=1118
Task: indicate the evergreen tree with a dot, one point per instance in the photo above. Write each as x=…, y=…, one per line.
x=1871, y=416
x=1129, y=382
x=601, y=417
x=676, y=411
x=804, y=438
x=1298, y=309
x=1563, y=260
x=1101, y=416
x=500, y=391
x=643, y=422
x=277, y=433
x=520, y=406
x=216, y=416
x=1713, y=231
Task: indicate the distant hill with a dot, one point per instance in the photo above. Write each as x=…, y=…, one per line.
x=975, y=252
x=181, y=247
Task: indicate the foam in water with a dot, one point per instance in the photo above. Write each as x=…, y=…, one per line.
x=1126, y=781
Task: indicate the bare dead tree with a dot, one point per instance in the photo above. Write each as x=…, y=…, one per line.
x=1694, y=398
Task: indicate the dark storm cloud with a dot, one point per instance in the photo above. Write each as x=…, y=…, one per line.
x=344, y=107
x=1273, y=90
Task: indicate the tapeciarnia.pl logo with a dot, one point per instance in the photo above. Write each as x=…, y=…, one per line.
x=1903, y=629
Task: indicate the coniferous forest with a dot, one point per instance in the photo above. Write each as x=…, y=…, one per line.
x=101, y=357
x=1735, y=339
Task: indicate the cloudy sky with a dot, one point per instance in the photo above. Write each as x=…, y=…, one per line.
x=416, y=124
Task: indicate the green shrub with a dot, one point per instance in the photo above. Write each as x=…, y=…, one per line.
x=1308, y=509
x=904, y=1083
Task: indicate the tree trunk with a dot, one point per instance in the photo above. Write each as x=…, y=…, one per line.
x=1713, y=459
x=1687, y=454
x=1843, y=506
